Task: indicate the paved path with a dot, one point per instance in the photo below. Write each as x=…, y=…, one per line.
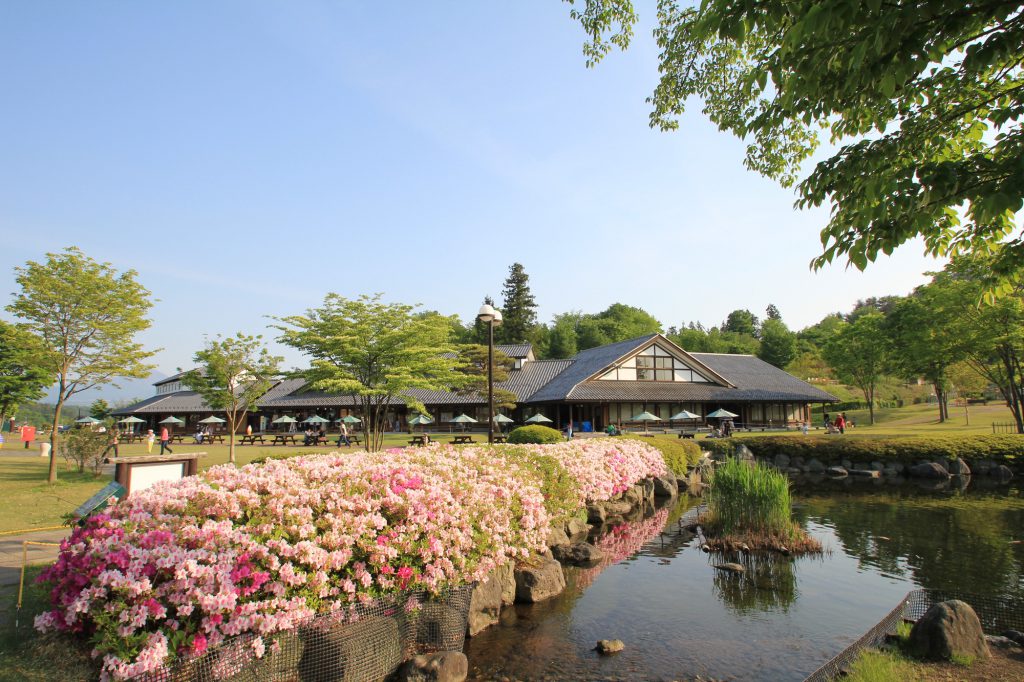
x=11, y=560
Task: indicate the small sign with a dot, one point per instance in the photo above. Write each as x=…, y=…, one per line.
x=100, y=499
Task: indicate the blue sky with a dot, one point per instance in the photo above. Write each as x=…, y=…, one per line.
x=248, y=157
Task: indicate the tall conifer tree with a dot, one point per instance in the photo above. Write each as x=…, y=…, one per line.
x=518, y=309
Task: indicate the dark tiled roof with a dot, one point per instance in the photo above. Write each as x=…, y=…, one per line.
x=752, y=374
x=517, y=350
x=583, y=365
x=179, y=401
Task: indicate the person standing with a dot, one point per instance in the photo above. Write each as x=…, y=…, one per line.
x=112, y=442
x=165, y=441
x=568, y=431
x=840, y=423
x=150, y=439
x=28, y=434
x=343, y=436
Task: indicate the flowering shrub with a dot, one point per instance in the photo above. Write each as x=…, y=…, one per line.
x=182, y=566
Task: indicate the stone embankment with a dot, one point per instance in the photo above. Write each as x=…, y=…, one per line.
x=570, y=544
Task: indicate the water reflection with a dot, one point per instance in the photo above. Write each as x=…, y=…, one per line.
x=768, y=583
x=681, y=618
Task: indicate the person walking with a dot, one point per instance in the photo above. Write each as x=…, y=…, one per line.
x=343, y=436
x=150, y=439
x=112, y=442
x=165, y=441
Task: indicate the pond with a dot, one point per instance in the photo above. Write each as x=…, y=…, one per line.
x=680, y=618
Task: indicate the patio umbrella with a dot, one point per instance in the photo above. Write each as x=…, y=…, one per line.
x=464, y=419
x=646, y=417
x=284, y=420
x=351, y=420
x=722, y=414
x=502, y=419
x=87, y=420
x=211, y=420
x=172, y=420
x=131, y=420
x=316, y=419
x=537, y=419
x=420, y=420
x=684, y=415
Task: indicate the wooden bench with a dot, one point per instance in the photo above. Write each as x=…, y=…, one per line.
x=688, y=434
x=419, y=440
x=251, y=438
x=462, y=440
x=284, y=439
x=500, y=438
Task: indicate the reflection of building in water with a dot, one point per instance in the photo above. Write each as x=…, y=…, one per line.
x=621, y=542
x=768, y=584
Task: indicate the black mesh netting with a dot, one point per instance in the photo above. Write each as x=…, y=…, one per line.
x=360, y=643
x=997, y=614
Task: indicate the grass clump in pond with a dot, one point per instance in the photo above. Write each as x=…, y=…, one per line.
x=881, y=666
x=751, y=504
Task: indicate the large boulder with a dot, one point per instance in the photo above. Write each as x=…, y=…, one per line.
x=557, y=536
x=484, y=605
x=929, y=470
x=647, y=487
x=576, y=530
x=538, y=582
x=958, y=467
x=578, y=554
x=782, y=461
x=1002, y=472
x=506, y=576
x=596, y=513
x=950, y=628
x=616, y=508
x=446, y=666
x=665, y=486
x=439, y=627
x=814, y=466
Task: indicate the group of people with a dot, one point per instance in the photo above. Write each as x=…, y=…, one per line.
x=839, y=424
x=201, y=434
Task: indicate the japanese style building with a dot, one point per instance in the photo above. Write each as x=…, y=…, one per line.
x=599, y=386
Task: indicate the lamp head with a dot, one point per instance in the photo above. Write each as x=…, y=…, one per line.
x=487, y=313
x=497, y=317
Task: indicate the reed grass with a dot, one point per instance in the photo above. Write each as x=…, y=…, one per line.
x=746, y=498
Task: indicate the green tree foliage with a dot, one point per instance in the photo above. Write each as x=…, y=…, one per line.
x=562, y=335
x=232, y=374
x=376, y=352
x=778, y=344
x=86, y=315
x=618, y=323
x=742, y=322
x=923, y=98
x=479, y=332
x=923, y=341
x=473, y=359
x=518, y=308
x=535, y=433
x=990, y=337
x=83, y=447
x=859, y=352
x=772, y=313
x=23, y=374
x=99, y=409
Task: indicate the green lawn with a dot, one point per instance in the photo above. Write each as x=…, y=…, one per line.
x=27, y=502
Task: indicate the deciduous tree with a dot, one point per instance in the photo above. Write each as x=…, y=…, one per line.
x=23, y=374
x=923, y=101
x=86, y=315
x=231, y=375
x=375, y=352
x=859, y=353
x=778, y=344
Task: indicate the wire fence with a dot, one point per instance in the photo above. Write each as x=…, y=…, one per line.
x=996, y=614
x=359, y=643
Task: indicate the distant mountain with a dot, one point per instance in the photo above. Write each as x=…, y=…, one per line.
x=128, y=390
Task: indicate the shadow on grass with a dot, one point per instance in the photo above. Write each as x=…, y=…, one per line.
x=28, y=655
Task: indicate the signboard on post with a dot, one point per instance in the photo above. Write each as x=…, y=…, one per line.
x=141, y=472
x=100, y=499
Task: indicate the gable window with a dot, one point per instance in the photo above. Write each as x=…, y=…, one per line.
x=653, y=363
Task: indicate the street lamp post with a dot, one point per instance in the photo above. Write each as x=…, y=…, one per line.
x=491, y=317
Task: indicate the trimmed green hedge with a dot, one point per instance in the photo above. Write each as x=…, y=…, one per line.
x=1004, y=449
x=679, y=454
x=535, y=434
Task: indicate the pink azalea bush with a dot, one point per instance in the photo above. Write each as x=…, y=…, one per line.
x=182, y=566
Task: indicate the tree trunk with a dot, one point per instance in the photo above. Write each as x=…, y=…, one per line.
x=51, y=477
x=870, y=395
x=232, y=425
x=940, y=396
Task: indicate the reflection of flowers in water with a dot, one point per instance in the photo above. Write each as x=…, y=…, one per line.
x=622, y=542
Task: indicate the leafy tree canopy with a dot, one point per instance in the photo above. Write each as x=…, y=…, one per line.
x=86, y=315
x=376, y=352
x=232, y=374
x=23, y=376
x=859, y=352
x=778, y=344
x=923, y=99
x=741, y=322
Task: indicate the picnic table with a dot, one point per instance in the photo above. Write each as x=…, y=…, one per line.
x=130, y=437
x=688, y=434
x=213, y=438
x=284, y=438
x=462, y=440
x=419, y=440
x=178, y=438
x=500, y=438
x=251, y=438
